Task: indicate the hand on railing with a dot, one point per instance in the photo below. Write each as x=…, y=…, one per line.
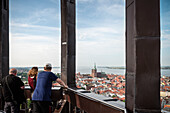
x=65, y=87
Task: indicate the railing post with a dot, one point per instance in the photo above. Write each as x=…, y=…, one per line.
x=143, y=56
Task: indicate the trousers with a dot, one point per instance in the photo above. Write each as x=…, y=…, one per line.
x=11, y=107
x=41, y=106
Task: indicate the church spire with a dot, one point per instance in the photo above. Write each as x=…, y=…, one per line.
x=95, y=66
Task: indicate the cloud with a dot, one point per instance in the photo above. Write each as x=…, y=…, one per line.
x=101, y=33
x=34, y=26
x=98, y=33
x=55, y=1
x=104, y=45
x=108, y=13
x=104, y=52
x=85, y=1
x=44, y=16
x=28, y=50
x=112, y=7
x=165, y=40
x=102, y=8
x=24, y=38
x=35, y=30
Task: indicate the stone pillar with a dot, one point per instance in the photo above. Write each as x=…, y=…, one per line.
x=68, y=46
x=4, y=38
x=4, y=42
x=68, y=42
x=143, y=56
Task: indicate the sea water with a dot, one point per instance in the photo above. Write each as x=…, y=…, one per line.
x=87, y=70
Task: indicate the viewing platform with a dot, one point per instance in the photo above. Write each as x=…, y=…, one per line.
x=81, y=101
x=142, y=32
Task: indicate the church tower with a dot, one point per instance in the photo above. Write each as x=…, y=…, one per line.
x=94, y=71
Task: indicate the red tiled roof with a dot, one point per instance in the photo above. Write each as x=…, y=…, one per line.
x=89, y=80
x=122, y=98
x=100, y=92
x=167, y=88
x=167, y=106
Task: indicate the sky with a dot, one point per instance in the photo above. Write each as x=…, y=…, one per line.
x=100, y=32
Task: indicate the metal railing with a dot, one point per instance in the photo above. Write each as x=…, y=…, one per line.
x=94, y=103
x=79, y=101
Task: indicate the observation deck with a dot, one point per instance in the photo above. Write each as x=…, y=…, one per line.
x=80, y=101
x=142, y=60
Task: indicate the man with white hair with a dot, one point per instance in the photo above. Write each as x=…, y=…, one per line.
x=13, y=93
x=42, y=93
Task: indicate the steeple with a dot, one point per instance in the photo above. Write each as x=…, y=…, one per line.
x=95, y=66
x=94, y=71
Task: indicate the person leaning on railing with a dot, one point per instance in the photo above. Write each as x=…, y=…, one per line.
x=42, y=93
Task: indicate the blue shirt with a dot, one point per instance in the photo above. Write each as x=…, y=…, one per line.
x=42, y=91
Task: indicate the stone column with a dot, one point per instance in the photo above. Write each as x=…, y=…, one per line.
x=68, y=42
x=68, y=46
x=4, y=38
x=143, y=56
x=4, y=42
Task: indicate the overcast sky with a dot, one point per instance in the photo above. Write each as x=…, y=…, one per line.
x=35, y=32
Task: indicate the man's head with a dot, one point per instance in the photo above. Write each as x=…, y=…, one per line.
x=48, y=67
x=13, y=71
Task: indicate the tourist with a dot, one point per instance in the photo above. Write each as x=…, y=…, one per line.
x=32, y=77
x=42, y=93
x=13, y=93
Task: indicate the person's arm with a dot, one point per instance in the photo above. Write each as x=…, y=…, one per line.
x=61, y=82
x=21, y=84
